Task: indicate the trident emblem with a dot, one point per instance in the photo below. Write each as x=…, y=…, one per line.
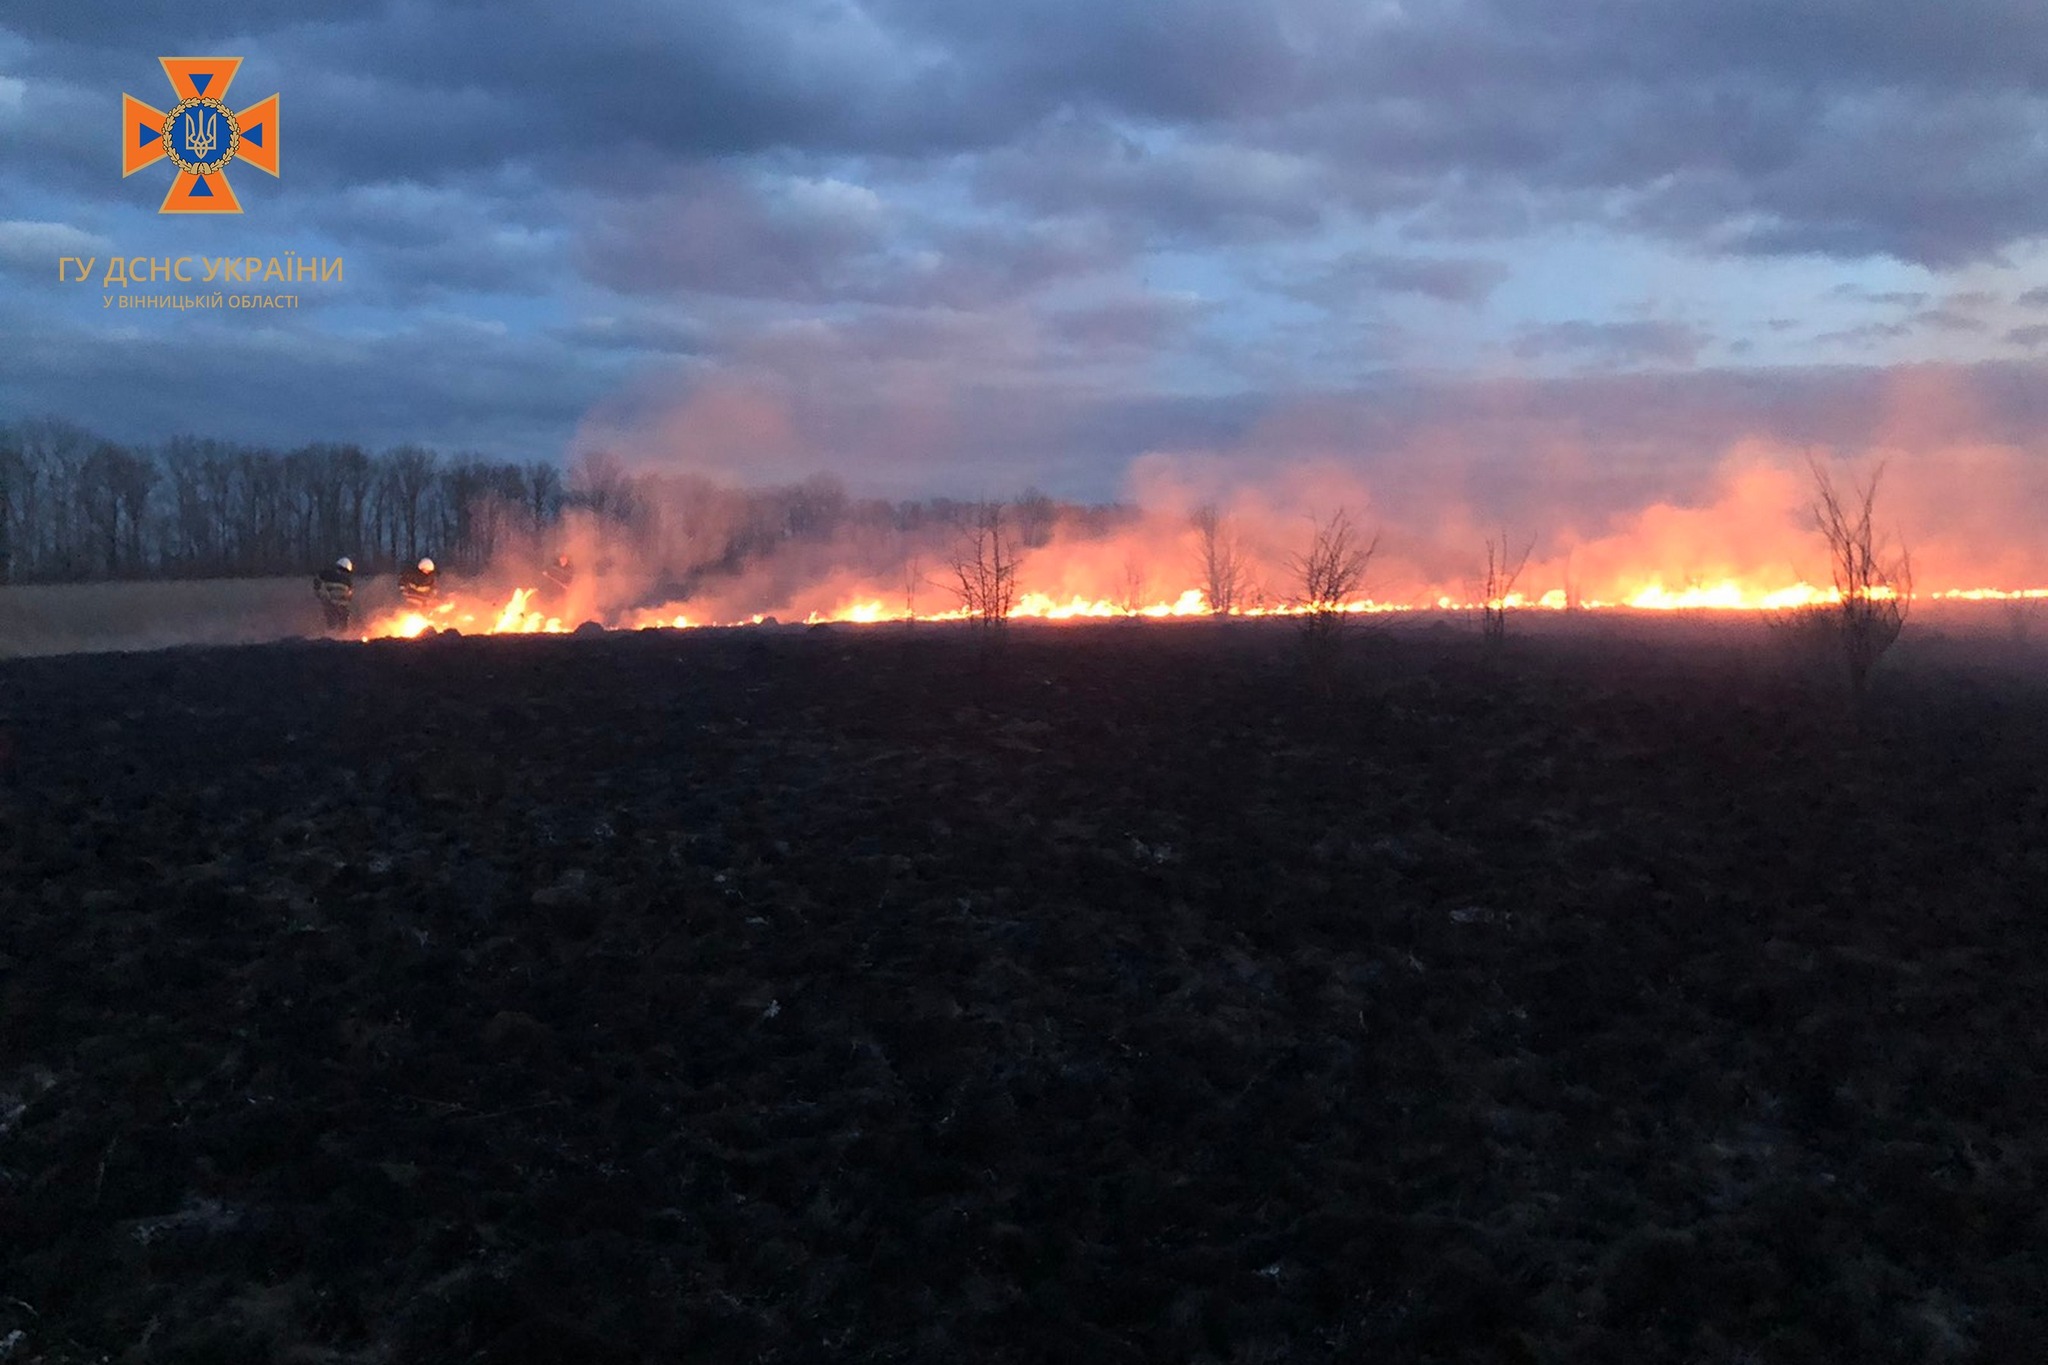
x=202, y=133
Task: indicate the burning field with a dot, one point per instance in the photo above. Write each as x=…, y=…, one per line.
x=1195, y=541
x=1102, y=993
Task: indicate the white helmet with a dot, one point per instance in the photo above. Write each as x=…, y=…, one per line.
x=426, y=566
x=345, y=564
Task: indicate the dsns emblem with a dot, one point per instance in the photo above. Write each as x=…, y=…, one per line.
x=200, y=135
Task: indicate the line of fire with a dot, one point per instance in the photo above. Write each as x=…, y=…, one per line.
x=1032, y=560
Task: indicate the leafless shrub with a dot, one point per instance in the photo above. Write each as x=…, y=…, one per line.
x=1807, y=633
x=2022, y=614
x=1502, y=569
x=985, y=566
x=1873, y=580
x=1331, y=572
x=1220, y=560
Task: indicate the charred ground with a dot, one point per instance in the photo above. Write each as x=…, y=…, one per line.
x=860, y=995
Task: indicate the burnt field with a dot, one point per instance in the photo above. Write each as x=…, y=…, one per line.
x=857, y=995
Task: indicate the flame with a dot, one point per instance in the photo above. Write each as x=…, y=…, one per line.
x=517, y=616
x=518, y=619
x=470, y=618
x=1733, y=537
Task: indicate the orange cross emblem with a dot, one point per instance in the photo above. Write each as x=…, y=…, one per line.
x=200, y=135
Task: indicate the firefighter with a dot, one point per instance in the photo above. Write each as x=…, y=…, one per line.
x=420, y=584
x=561, y=574
x=335, y=586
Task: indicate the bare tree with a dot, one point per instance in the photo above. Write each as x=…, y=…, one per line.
x=1220, y=560
x=985, y=566
x=1502, y=569
x=542, y=493
x=1037, y=514
x=814, y=507
x=1873, y=580
x=1133, y=599
x=1331, y=574
x=408, y=475
x=913, y=575
x=12, y=472
x=599, y=480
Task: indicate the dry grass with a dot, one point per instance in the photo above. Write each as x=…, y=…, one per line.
x=96, y=617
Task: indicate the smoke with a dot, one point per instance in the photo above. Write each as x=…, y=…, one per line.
x=1641, y=487
x=713, y=553
x=1613, y=517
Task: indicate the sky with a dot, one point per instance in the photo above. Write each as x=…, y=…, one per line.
x=956, y=248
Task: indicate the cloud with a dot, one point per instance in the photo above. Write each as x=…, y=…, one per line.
x=1363, y=274
x=639, y=332
x=1900, y=298
x=1141, y=322
x=1949, y=319
x=1190, y=188
x=1048, y=235
x=35, y=248
x=1787, y=129
x=445, y=379
x=718, y=233
x=1626, y=343
x=1865, y=334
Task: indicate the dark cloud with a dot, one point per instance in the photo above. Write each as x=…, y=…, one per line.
x=1445, y=279
x=1174, y=189
x=447, y=381
x=862, y=206
x=166, y=27
x=1865, y=334
x=640, y=332
x=716, y=233
x=1197, y=61
x=1143, y=323
x=818, y=240
x=1955, y=314
x=1804, y=126
x=1901, y=298
x=1949, y=320
x=1623, y=343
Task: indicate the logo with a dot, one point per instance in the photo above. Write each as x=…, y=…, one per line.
x=201, y=135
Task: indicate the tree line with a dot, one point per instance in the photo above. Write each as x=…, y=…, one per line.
x=77, y=507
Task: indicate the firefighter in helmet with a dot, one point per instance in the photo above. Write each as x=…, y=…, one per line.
x=559, y=574
x=335, y=586
x=420, y=585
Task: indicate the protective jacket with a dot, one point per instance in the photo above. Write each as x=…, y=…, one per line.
x=418, y=585
x=336, y=589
